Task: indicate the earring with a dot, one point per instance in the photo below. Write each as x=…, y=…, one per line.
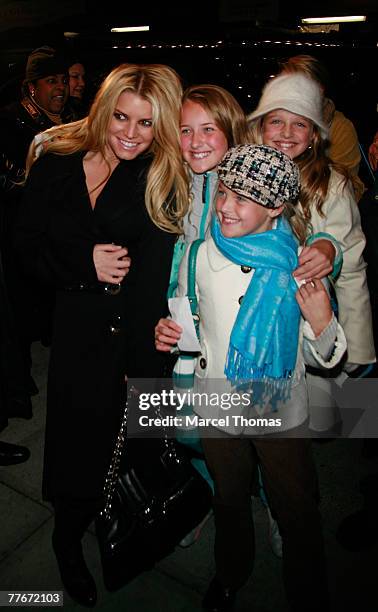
x=32, y=93
x=309, y=146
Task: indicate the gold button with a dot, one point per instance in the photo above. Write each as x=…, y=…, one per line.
x=240, y=299
x=203, y=363
x=246, y=269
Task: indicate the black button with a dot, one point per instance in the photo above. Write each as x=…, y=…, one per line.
x=115, y=326
x=203, y=363
x=112, y=288
x=240, y=299
x=246, y=269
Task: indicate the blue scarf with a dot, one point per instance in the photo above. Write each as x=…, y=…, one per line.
x=264, y=339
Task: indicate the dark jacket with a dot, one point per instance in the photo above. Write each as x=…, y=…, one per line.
x=13, y=378
x=97, y=338
x=19, y=123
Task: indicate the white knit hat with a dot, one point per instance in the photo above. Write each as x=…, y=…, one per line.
x=296, y=93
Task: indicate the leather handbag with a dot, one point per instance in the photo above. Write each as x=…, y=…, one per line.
x=154, y=497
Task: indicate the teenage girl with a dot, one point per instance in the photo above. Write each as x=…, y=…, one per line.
x=289, y=118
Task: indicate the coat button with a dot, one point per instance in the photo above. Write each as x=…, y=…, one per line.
x=246, y=269
x=240, y=299
x=112, y=288
x=203, y=363
x=115, y=326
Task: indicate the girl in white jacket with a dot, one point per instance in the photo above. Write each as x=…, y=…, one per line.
x=211, y=122
x=289, y=118
x=251, y=332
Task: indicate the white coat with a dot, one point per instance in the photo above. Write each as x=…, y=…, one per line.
x=342, y=220
x=219, y=285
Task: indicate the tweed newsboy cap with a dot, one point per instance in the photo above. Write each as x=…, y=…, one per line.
x=260, y=173
x=43, y=62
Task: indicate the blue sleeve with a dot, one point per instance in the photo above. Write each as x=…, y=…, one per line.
x=178, y=253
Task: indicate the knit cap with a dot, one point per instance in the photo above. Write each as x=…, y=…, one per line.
x=43, y=62
x=296, y=93
x=260, y=173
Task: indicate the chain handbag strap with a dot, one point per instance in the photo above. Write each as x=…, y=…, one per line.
x=120, y=445
x=112, y=475
x=168, y=442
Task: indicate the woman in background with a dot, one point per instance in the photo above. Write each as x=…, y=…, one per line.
x=77, y=82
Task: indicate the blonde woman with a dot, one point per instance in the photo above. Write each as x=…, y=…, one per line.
x=106, y=190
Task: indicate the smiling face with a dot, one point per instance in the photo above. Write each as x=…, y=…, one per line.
x=130, y=131
x=51, y=92
x=287, y=132
x=240, y=216
x=203, y=143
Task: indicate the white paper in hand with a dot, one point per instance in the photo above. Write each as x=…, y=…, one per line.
x=181, y=314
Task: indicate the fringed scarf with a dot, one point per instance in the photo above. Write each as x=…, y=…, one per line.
x=264, y=339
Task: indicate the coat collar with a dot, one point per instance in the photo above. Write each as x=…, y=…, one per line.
x=217, y=261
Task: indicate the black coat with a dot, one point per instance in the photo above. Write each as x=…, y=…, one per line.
x=56, y=233
x=19, y=123
x=13, y=380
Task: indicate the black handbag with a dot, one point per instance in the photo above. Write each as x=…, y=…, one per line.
x=154, y=497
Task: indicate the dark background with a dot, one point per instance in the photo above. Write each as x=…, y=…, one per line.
x=235, y=43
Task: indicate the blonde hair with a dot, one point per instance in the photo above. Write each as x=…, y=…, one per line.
x=315, y=170
x=167, y=191
x=297, y=221
x=309, y=65
x=224, y=108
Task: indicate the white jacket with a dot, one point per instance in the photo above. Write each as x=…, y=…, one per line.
x=342, y=220
x=219, y=285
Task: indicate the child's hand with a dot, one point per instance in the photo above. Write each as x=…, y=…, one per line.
x=315, y=261
x=315, y=305
x=167, y=332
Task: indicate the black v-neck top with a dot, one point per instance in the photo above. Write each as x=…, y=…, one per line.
x=57, y=230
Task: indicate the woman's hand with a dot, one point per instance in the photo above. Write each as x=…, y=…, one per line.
x=167, y=332
x=111, y=262
x=316, y=261
x=315, y=305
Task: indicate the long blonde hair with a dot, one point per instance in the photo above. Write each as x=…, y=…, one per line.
x=167, y=192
